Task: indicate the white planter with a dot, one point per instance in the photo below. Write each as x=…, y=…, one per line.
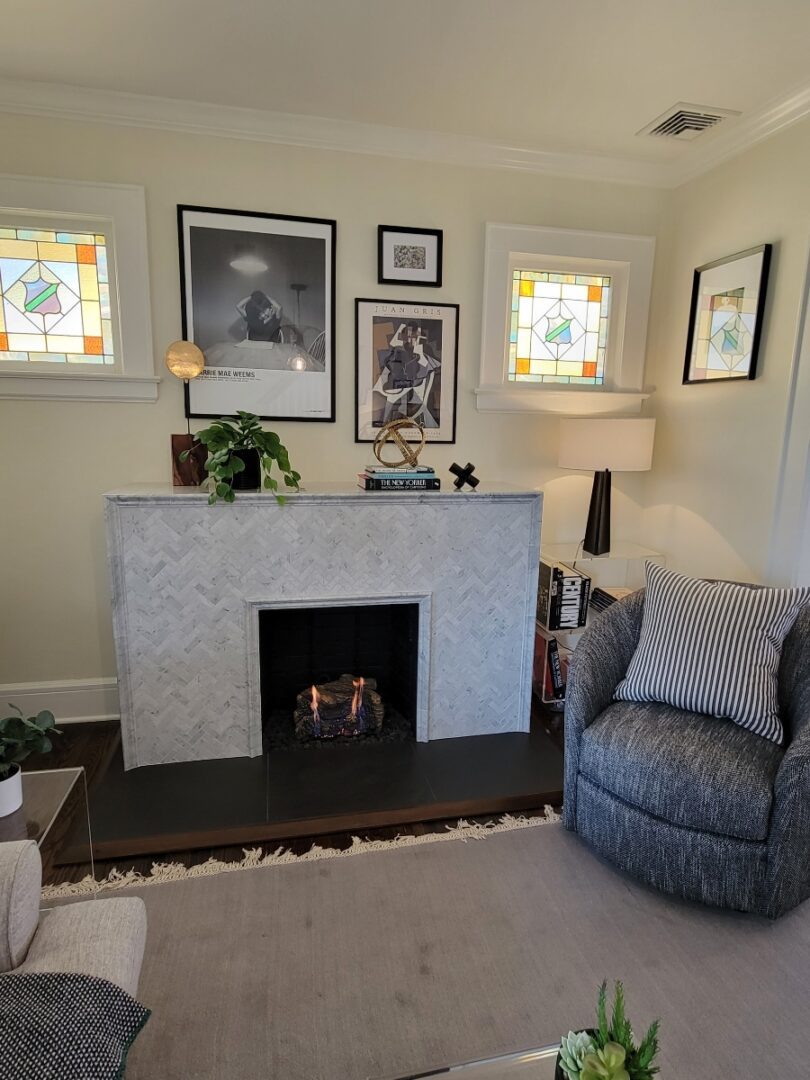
x=11, y=794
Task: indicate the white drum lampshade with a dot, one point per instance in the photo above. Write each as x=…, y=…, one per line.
x=604, y=446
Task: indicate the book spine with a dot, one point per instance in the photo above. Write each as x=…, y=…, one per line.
x=402, y=483
x=420, y=470
x=557, y=682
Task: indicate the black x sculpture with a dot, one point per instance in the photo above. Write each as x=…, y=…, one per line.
x=464, y=476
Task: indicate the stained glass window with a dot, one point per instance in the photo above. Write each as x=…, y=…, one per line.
x=54, y=297
x=559, y=327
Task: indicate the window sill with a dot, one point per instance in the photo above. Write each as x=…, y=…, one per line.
x=75, y=386
x=562, y=402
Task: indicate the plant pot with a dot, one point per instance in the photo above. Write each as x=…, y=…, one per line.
x=11, y=794
x=251, y=478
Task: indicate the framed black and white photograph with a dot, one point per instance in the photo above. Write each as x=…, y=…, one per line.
x=258, y=297
x=409, y=256
x=407, y=366
x=725, y=319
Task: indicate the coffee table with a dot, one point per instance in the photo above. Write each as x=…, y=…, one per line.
x=525, y=1065
x=46, y=793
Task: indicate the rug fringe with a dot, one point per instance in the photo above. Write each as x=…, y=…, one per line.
x=254, y=858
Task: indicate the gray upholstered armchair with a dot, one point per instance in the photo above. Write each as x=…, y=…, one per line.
x=691, y=804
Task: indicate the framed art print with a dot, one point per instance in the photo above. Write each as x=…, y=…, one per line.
x=725, y=320
x=409, y=256
x=258, y=297
x=407, y=366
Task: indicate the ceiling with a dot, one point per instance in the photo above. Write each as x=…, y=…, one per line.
x=567, y=76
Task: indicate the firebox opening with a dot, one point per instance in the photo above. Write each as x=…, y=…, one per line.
x=301, y=649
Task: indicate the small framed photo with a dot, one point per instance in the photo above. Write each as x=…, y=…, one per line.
x=725, y=320
x=409, y=256
x=407, y=366
x=258, y=297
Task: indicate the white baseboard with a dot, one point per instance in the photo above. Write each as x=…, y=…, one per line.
x=71, y=701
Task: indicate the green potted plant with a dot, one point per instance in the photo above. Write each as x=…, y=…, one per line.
x=608, y=1051
x=240, y=453
x=21, y=736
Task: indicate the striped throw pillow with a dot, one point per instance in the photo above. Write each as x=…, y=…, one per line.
x=712, y=647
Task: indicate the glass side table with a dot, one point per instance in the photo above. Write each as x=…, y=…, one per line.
x=52, y=800
x=536, y=1064
x=622, y=566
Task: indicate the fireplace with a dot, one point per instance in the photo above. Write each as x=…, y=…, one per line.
x=339, y=673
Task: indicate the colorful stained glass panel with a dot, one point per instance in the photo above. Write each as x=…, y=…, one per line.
x=54, y=297
x=559, y=327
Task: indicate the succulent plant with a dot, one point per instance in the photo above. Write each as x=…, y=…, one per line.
x=605, y=1064
x=573, y=1048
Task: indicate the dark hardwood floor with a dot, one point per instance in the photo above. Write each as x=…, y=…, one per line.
x=127, y=827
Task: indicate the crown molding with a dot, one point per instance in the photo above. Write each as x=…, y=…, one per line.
x=741, y=135
x=64, y=102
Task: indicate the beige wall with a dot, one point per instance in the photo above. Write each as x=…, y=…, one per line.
x=58, y=457
x=710, y=499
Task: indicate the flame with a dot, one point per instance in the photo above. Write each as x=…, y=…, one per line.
x=313, y=704
x=357, y=698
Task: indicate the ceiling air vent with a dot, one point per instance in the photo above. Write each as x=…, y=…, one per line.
x=684, y=121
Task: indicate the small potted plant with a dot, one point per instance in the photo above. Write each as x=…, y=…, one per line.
x=240, y=453
x=608, y=1051
x=21, y=736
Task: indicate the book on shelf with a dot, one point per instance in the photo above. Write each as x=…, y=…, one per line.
x=562, y=597
x=398, y=483
x=604, y=596
x=551, y=662
x=399, y=470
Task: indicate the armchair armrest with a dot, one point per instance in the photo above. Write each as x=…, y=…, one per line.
x=598, y=665
x=789, y=839
x=20, y=884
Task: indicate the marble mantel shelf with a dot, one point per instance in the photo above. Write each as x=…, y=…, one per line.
x=190, y=581
x=318, y=491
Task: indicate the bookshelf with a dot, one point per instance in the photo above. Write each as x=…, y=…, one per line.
x=621, y=567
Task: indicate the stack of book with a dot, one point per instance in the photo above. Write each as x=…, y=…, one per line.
x=401, y=478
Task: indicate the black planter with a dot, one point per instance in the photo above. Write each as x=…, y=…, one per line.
x=251, y=476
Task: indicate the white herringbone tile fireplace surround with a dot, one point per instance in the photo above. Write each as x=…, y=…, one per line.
x=189, y=581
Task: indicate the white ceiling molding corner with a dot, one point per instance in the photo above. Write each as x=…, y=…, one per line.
x=745, y=132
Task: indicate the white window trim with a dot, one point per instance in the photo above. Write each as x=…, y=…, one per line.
x=122, y=208
x=628, y=260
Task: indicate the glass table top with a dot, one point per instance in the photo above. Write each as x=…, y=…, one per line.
x=535, y=1064
x=44, y=794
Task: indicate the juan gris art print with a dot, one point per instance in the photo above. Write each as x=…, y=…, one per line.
x=407, y=361
x=258, y=295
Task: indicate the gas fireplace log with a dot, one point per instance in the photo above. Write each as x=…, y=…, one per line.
x=346, y=706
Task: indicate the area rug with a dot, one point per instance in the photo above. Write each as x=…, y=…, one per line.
x=420, y=955
x=253, y=858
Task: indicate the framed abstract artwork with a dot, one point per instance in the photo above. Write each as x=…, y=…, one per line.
x=407, y=366
x=725, y=320
x=409, y=256
x=258, y=297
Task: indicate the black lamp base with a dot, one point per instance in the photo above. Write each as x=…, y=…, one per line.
x=597, y=532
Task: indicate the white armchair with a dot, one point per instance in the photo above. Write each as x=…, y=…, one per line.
x=104, y=938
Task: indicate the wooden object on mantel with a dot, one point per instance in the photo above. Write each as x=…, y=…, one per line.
x=346, y=706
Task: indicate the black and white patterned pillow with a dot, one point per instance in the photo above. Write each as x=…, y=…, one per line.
x=712, y=647
x=65, y=1026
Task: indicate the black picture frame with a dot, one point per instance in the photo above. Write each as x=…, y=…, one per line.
x=402, y=311
x=757, y=271
x=310, y=227
x=412, y=278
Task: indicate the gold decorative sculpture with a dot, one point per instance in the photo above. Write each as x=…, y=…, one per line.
x=390, y=432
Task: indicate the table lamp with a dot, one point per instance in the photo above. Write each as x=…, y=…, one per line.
x=604, y=446
x=186, y=361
